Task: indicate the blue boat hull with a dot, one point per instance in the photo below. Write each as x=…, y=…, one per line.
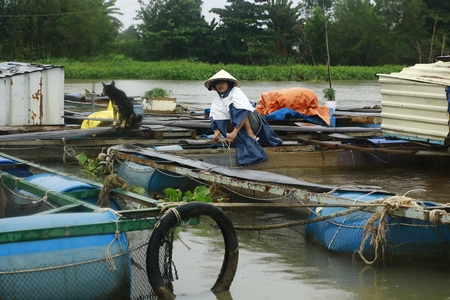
x=407, y=240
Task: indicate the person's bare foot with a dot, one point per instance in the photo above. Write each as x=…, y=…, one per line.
x=253, y=136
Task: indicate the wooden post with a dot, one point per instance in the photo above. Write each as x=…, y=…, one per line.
x=93, y=97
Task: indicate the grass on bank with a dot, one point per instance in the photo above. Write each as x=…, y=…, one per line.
x=119, y=67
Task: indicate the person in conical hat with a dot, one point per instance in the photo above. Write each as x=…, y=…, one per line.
x=221, y=75
x=230, y=116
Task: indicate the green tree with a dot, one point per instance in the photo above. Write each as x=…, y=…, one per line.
x=403, y=37
x=283, y=25
x=314, y=38
x=172, y=29
x=94, y=33
x=109, y=9
x=35, y=29
x=437, y=18
x=357, y=34
x=239, y=36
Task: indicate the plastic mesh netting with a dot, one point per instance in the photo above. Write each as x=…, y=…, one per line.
x=90, y=279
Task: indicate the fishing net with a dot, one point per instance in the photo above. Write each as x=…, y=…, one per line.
x=141, y=288
x=127, y=280
x=123, y=273
x=378, y=239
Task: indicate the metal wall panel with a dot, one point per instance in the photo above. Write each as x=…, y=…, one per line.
x=414, y=108
x=31, y=95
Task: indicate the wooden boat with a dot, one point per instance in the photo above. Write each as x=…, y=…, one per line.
x=305, y=150
x=56, y=226
x=368, y=224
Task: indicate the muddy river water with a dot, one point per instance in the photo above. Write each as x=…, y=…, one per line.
x=279, y=264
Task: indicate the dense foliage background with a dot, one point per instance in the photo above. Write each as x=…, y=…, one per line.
x=119, y=67
x=258, y=33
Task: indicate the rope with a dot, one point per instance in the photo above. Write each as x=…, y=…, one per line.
x=69, y=151
x=176, y=213
x=179, y=238
x=111, y=182
x=436, y=214
x=227, y=149
x=108, y=159
x=108, y=258
x=378, y=233
x=301, y=222
x=345, y=218
x=104, y=209
x=32, y=200
x=60, y=266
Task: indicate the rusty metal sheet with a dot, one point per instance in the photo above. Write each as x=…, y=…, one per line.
x=31, y=94
x=240, y=173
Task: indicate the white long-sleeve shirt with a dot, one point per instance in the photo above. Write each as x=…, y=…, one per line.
x=220, y=106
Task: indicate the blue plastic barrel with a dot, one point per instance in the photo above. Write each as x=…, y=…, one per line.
x=59, y=184
x=62, y=184
x=64, y=268
x=152, y=180
x=16, y=168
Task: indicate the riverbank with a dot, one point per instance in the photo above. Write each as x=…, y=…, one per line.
x=119, y=67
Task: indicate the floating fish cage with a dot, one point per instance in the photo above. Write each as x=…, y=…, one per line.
x=57, y=242
x=153, y=180
x=381, y=239
x=49, y=251
x=67, y=267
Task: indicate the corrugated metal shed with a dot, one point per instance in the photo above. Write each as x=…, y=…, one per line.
x=415, y=104
x=31, y=94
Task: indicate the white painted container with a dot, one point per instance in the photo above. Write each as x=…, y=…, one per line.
x=415, y=104
x=31, y=94
x=159, y=104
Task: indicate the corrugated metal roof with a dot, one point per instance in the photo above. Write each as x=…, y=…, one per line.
x=436, y=73
x=8, y=69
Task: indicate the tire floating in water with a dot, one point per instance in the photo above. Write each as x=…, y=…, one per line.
x=190, y=210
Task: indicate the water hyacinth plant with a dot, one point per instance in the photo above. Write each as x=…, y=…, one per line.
x=157, y=93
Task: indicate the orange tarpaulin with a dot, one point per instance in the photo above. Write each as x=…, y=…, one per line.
x=302, y=100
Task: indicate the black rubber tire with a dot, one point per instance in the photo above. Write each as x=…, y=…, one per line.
x=185, y=211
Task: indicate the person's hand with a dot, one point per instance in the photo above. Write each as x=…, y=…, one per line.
x=217, y=135
x=232, y=136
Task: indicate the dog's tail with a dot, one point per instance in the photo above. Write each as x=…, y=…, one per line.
x=137, y=119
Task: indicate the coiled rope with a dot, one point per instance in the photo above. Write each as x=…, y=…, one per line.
x=378, y=232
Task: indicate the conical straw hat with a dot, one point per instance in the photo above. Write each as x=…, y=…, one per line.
x=222, y=75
